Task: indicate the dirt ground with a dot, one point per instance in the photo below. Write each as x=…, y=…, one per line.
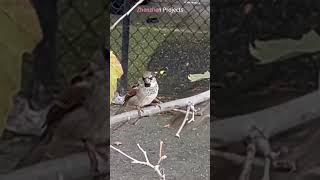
x=188, y=157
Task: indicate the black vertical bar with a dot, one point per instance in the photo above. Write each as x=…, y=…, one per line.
x=125, y=48
x=45, y=51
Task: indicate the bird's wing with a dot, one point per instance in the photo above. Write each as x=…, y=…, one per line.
x=131, y=92
x=73, y=96
x=70, y=99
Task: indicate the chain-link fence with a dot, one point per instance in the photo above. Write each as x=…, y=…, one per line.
x=80, y=33
x=161, y=35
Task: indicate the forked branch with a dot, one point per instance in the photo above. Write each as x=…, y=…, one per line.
x=156, y=168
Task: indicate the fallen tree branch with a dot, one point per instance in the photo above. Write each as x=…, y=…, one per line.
x=156, y=168
x=75, y=166
x=238, y=159
x=168, y=106
x=235, y=158
x=271, y=121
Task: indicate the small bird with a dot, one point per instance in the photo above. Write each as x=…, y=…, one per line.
x=143, y=93
x=78, y=117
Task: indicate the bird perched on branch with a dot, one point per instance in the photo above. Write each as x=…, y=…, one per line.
x=78, y=115
x=84, y=106
x=143, y=93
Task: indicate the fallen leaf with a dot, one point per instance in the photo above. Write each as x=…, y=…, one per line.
x=198, y=77
x=275, y=50
x=115, y=73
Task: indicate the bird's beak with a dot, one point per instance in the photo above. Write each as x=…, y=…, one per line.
x=147, y=82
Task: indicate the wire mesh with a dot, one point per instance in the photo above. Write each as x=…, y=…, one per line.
x=152, y=26
x=81, y=27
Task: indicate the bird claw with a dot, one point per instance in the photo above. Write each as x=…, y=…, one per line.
x=140, y=111
x=156, y=105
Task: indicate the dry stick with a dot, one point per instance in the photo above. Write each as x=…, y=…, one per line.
x=167, y=106
x=185, y=112
x=126, y=14
x=160, y=152
x=184, y=122
x=266, y=171
x=247, y=168
x=191, y=108
x=147, y=162
x=235, y=158
x=263, y=145
x=48, y=170
x=238, y=159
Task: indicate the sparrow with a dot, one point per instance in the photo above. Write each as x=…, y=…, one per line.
x=84, y=108
x=72, y=98
x=78, y=117
x=143, y=93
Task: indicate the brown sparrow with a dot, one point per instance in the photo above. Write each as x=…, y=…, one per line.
x=79, y=115
x=144, y=92
x=84, y=107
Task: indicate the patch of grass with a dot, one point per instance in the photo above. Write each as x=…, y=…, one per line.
x=144, y=40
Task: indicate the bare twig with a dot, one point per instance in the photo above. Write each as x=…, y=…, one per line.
x=126, y=14
x=190, y=107
x=193, y=110
x=168, y=106
x=161, y=157
x=122, y=153
x=156, y=167
x=184, y=122
x=263, y=145
x=160, y=149
x=247, y=168
x=235, y=158
x=197, y=113
x=238, y=159
x=266, y=171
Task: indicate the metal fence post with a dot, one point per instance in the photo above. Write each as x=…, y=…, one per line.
x=125, y=48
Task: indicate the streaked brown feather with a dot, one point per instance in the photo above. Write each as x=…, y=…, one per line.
x=132, y=92
x=70, y=99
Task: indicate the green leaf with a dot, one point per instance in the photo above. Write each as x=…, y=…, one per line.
x=275, y=50
x=20, y=33
x=115, y=73
x=198, y=77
